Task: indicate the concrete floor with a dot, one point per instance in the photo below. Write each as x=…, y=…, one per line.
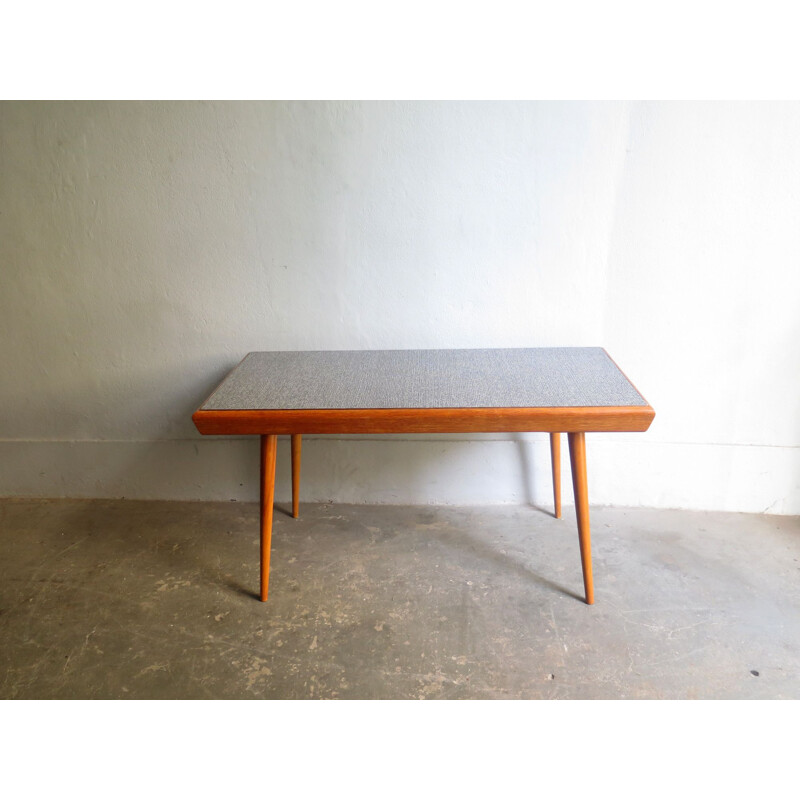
x=134, y=599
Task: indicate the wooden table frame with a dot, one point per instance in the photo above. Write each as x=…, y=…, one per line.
x=574, y=421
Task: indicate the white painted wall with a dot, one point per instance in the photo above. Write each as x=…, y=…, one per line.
x=145, y=247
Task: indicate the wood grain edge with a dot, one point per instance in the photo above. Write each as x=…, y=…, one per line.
x=424, y=420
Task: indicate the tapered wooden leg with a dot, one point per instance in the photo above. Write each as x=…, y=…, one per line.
x=555, y=458
x=297, y=446
x=269, y=450
x=577, y=456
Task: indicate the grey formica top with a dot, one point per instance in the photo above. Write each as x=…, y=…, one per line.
x=543, y=377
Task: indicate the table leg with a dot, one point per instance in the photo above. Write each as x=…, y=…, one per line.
x=577, y=455
x=269, y=450
x=555, y=458
x=297, y=446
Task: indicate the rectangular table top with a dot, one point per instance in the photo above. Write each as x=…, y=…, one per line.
x=503, y=378
x=359, y=390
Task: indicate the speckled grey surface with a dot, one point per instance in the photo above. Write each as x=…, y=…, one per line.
x=545, y=377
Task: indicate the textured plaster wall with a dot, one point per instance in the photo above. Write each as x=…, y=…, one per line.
x=146, y=247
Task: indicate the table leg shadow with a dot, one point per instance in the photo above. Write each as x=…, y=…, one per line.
x=577, y=450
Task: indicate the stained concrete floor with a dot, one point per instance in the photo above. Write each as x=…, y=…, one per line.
x=134, y=599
